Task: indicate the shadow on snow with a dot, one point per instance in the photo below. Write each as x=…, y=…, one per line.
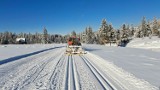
x=88, y=49
x=25, y=55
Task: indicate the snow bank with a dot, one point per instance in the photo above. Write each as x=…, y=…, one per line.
x=145, y=43
x=112, y=44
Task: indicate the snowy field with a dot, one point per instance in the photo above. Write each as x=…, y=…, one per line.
x=8, y=51
x=47, y=67
x=140, y=63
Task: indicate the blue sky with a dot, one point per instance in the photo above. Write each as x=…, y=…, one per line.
x=64, y=16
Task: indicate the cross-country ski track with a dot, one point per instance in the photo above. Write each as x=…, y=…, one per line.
x=54, y=70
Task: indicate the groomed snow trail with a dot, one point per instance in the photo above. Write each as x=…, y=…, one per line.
x=102, y=80
x=54, y=70
x=34, y=73
x=118, y=77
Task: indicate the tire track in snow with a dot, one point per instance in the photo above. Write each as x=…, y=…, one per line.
x=102, y=80
x=32, y=71
x=58, y=75
x=46, y=81
x=21, y=76
x=35, y=72
x=10, y=67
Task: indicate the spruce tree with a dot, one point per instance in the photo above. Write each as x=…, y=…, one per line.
x=73, y=33
x=155, y=27
x=143, y=28
x=132, y=31
x=45, y=36
x=124, y=33
x=103, y=32
x=89, y=36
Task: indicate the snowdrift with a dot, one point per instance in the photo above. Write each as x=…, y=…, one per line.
x=145, y=43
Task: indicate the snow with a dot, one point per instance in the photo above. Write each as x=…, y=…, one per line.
x=146, y=43
x=120, y=76
x=143, y=64
x=45, y=66
x=11, y=51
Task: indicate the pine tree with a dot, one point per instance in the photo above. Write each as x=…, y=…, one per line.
x=73, y=33
x=155, y=27
x=89, y=35
x=45, y=36
x=143, y=28
x=83, y=39
x=1, y=37
x=132, y=31
x=124, y=33
x=103, y=32
x=111, y=34
x=5, y=38
x=148, y=30
x=11, y=41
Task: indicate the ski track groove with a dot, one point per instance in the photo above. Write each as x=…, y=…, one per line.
x=85, y=77
x=73, y=75
x=105, y=83
x=77, y=87
x=67, y=75
x=71, y=80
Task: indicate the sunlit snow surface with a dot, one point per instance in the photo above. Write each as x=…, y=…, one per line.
x=146, y=43
x=35, y=66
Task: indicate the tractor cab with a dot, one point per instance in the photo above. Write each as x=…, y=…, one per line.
x=74, y=46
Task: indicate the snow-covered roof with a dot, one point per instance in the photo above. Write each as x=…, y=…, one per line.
x=18, y=39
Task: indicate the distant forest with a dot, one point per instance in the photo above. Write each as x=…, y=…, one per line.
x=105, y=34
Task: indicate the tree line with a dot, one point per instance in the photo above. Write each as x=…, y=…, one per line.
x=44, y=38
x=106, y=34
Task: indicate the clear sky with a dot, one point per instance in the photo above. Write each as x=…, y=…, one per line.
x=64, y=16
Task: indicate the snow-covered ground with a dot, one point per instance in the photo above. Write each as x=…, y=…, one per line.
x=140, y=63
x=47, y=67
x=8, y=51
x=141, y=58
x=146, y=43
